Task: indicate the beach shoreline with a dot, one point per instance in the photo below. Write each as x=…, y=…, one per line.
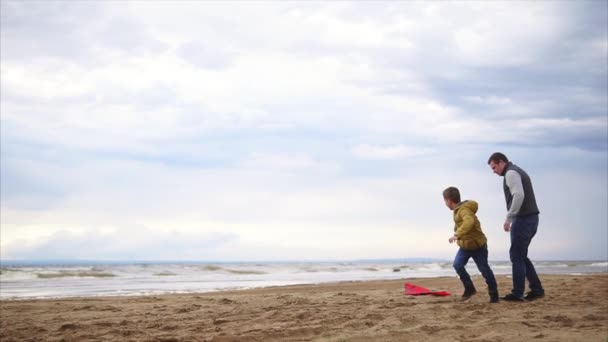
x=574, y=309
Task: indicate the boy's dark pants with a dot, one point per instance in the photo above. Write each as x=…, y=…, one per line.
x=480, y=256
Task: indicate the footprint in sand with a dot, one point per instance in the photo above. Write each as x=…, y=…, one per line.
x=68, y=326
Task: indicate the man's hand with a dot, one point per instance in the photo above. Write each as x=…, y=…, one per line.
x=453, y=238
x=507, y=226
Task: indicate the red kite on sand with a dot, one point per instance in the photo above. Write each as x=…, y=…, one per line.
x=415, y=290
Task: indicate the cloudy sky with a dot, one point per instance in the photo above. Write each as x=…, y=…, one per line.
x=297, y=130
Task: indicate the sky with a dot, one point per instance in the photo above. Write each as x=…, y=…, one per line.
x=244, y=131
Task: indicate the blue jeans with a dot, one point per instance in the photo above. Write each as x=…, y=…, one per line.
x=480, y=256
x=523, y=229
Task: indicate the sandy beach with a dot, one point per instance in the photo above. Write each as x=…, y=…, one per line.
x=574, y=309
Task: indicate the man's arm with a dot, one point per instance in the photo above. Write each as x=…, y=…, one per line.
x=513, y=179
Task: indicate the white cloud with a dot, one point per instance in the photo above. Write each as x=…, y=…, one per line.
x=489, y=100
x=367, y=151
x=274, y=161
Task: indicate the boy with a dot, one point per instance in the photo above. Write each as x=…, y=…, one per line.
x=472, y=243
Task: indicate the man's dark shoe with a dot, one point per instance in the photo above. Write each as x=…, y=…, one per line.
x=468, y=292
x=534, y=295
x=494, y=297
x=512, y=298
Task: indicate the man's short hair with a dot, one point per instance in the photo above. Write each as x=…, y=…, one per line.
x=496, y=157
x=452, y=194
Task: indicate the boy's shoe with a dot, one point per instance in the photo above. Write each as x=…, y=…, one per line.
x=468, y=292
x=534, y=295
x=512, y=298
x=494, y=297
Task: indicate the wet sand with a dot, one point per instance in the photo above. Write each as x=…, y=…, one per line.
x=574, y=309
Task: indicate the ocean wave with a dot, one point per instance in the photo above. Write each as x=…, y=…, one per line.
x=72, y=274
x=502, y=267
x=136, y=279
x=213, y=268
x=244, y=271
x=6, y=270
x=10, y=274
x=434, y=266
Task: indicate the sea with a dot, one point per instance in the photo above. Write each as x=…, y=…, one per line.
x=64, y=279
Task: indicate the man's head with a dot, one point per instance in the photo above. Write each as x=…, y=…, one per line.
x=498, y=162
x=451, y=197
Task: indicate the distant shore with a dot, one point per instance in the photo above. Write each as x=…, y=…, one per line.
x=574, y=309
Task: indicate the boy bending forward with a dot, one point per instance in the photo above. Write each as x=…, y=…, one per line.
x=472, y=243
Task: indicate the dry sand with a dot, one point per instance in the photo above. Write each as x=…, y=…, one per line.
x=574, y=309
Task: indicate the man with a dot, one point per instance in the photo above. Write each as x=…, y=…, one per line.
x=522, y=223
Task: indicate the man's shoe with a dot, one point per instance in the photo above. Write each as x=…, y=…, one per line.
x=494, y=297
x=534, y=295
x=468, y=292
x=512, y=298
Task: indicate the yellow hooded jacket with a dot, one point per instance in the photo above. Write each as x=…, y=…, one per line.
x=467, y=227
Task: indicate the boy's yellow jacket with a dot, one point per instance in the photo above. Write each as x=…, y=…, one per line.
x=468, y=228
